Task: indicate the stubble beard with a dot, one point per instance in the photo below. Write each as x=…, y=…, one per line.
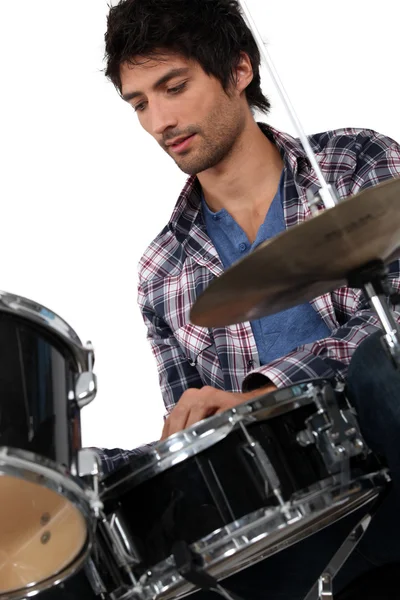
x=216, y=139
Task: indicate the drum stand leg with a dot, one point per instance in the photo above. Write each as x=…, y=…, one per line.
x=322, y=589
x=189, y=566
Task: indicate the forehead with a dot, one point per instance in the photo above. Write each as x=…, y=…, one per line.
x=142, y=71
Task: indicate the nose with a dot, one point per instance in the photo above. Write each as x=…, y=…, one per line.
x=162, y=118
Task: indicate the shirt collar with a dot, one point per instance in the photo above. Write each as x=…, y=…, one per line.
x=188, y=207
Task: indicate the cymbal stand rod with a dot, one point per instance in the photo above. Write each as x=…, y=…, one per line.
x=327, y=193
x=389, y=325
x=373, y=280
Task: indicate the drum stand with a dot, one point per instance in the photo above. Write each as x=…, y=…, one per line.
x=323, y=589
x=189, y=564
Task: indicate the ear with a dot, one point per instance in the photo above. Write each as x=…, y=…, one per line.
x=244, y=72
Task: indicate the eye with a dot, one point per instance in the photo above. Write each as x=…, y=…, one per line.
x=178, y=88
x=174, y=90
x=139, y=107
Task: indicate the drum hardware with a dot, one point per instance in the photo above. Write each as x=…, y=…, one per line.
x=326, y=192
x=123, y=554
x=264, y=465
x=189, y=566
x=373, y=280
x=115, y=531
x=86, y=383
x=95, y=579
x=89, y=466
x=316, y=201
x=334, y=431
x=124, y=548
x=323, y=588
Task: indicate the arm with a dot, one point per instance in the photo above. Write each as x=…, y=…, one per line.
x=175, y=373
x=325, y=358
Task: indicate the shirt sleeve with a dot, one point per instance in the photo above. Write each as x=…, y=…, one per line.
x=114, y=458
x=331, y=356
x=175, y=373
x=325, y=358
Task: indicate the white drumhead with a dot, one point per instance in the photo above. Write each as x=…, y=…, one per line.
x=41, y=533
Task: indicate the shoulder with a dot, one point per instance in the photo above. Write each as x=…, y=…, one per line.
x=355, y=159
x=359, y=142
x=163, y=257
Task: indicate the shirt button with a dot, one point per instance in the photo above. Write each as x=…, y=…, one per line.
x=242, y=247
x=216, y=217
x=250, y=363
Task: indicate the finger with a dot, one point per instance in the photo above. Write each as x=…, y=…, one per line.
x=176, y=420
x=200, y=412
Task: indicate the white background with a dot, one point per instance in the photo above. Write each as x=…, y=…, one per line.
x=84, y=190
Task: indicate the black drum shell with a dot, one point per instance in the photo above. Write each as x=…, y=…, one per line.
x=38, y=372
x=217, y=486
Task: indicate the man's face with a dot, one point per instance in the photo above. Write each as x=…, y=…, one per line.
x=177, y=102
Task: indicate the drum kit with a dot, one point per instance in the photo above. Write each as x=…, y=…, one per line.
x=224, y=494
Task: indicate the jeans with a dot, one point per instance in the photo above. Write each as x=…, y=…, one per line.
x=374, y=389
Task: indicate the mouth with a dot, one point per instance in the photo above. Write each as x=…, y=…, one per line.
x=182, y=145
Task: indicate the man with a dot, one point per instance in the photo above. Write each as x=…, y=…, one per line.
x=190, y=70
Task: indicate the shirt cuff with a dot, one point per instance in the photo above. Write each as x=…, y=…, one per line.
x=299, y=365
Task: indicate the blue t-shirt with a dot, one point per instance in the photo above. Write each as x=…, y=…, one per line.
x=278, y=334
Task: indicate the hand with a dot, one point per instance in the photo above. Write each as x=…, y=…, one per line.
x=195, y=405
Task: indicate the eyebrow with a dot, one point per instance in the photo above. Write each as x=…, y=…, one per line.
x=164, y=79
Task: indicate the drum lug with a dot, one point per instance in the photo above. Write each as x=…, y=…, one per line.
x=89, y=465
x=86, y=382
x=85, y=388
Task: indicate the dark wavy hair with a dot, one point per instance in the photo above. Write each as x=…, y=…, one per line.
x=211, y=32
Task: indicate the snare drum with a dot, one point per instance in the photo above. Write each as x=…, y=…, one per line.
x=45, y=378
x=239, y=487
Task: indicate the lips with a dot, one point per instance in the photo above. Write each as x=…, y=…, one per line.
x=181, y=146
x=178, y=141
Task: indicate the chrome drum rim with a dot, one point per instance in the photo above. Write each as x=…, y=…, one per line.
x=35, y=469
x=263, y=533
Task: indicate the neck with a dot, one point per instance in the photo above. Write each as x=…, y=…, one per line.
x=246, y=181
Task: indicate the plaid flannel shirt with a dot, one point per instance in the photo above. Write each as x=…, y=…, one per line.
x=181, y=262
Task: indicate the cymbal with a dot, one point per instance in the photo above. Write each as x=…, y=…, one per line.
x=307, y=260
